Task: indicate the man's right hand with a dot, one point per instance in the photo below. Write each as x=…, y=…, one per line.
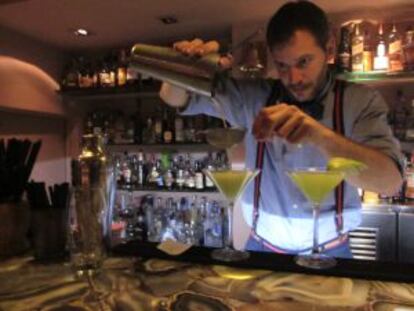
x=176, y=96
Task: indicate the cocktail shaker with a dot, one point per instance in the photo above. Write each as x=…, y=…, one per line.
x=193, y=73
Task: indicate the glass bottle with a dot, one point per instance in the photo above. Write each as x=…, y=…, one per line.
x=395, y=50
x=121, y=71
x=381, y=58
x=90, y=229
x=344, y=51
x=408, y=49
x=357, y=50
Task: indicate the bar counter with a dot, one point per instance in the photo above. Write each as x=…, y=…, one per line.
x=192, y=281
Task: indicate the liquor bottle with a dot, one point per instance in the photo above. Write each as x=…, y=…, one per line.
x=119, y=127
x=97, y=123
x=209, y=165
x=199, y=126
x=88, y=128
x=189, y=175
x=148, y=133
x=381, y=58
x=158, y=131
x=104, y=74
x=357, y=50
x=408, y=49
x=189, y=131
x=178, y=128
x=140, y=227
x=180, y=177
x=344, y=51
x=130, y=131
x=141, y=176
x=367, y=54
x=71, y=79
x=126, y=172
x=112, y=65
x=213, y=226
x=199, y=176
x=167, y=129
x=121, y=71
x=395, y=50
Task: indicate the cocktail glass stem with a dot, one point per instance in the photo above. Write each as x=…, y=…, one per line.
x=228, y=240
x=316, y=212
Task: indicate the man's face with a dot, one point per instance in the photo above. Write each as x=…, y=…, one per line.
x=301, y=64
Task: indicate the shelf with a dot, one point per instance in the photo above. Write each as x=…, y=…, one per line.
x=378, y=77
x=197, y=147
x=128, y=92
x=185, y=192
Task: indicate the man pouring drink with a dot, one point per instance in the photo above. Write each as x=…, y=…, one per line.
x=308, y=108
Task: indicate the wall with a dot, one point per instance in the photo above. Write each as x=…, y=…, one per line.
x=29, y=105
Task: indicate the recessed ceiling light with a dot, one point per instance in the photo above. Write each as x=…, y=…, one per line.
x=169, y=20
x=81, y=32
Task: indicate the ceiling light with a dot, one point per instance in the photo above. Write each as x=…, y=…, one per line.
x=169, y=20
x=81, y=32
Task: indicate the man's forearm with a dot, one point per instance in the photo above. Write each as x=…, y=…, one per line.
x=381, y=175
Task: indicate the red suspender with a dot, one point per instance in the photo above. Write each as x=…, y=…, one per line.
x=338, y=127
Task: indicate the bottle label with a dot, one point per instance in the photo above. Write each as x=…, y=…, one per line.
x=395, y=47
x=168, y=137
x=199, y=180
x=357, y=48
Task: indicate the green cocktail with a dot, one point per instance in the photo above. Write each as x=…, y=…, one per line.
x=231, y=184
x=316, y=184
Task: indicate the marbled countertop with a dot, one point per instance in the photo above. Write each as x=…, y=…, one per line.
x=154, y=284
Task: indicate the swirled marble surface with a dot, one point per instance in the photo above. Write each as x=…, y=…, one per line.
x=132, y=284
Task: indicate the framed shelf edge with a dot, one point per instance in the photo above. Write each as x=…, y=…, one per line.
x=161, y=147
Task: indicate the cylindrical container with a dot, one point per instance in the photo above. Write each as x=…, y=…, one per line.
x=14, y=226
x=89, y=208
x=195, y=74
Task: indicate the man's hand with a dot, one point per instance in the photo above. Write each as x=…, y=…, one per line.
x=198, y=47
x=288, y=122
x=176, y=96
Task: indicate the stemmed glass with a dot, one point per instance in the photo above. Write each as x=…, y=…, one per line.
x=231, y=184
x=316, y=183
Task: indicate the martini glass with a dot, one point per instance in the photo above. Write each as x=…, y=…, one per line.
x=231, y=184
x=316, y=184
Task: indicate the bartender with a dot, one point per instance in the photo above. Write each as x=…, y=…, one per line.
x=306, y=106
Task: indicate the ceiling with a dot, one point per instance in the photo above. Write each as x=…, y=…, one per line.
x=122, y=22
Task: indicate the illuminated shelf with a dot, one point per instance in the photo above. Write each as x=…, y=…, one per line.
x=195, y=147
x=378, y=77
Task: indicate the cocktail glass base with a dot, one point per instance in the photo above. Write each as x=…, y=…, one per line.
x=315, y=261
x=229, y=255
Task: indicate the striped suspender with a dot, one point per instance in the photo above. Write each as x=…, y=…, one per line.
x=338, y=127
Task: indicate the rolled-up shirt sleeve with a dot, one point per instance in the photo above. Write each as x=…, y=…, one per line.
x=238, y=100
x=371, y=127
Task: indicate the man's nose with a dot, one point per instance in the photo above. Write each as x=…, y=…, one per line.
x=295, y=76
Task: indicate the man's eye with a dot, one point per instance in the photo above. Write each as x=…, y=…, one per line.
x=303, y=62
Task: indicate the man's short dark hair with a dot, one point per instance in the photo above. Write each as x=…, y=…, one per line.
x=298, y=15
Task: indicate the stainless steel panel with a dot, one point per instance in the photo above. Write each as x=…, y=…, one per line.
x=406, y=237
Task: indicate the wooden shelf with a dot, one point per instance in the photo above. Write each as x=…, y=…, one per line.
x=163, y=148
x=378, y=77
x=128, y=92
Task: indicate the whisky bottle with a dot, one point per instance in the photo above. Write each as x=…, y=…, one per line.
x=395, y=50
x=357, y=50
x=344, y=51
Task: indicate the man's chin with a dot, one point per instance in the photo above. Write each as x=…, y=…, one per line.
x=301, y=96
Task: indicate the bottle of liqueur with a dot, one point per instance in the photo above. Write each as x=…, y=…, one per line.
x=121, y=71
x=367, y=54
x=344, y=51
x=199, y=177
x=178, y=128
x=381, y=58
x=408, y=49
x=141, y=173
x=395, y=50
x=357, y=50
x=168, y=133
